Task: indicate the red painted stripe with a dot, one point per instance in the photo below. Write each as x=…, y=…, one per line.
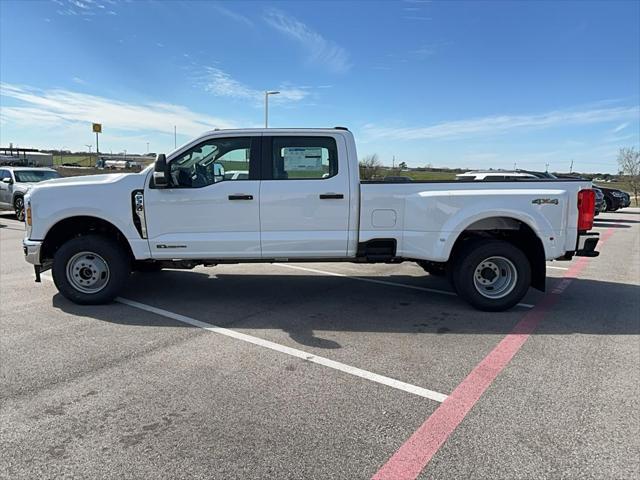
x=412, y=457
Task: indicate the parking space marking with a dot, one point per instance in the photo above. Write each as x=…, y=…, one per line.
x=414, y=455
x=381, y=282
x=294, y=352
x=557, y=268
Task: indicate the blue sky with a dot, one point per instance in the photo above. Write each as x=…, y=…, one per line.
x=468, y=84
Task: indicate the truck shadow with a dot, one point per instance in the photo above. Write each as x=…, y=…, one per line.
x=598, y=223
x=301, y=305
x=616, y=220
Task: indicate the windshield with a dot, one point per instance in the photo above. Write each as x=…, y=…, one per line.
x=34, y=175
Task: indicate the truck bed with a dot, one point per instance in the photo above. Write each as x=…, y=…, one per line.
x=425, y=217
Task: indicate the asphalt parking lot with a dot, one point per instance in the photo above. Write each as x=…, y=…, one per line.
x=323, y=371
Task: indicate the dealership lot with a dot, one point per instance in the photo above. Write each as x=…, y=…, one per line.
x=319, y=371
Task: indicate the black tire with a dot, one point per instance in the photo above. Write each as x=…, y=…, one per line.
x=18, y=207
x=436, y=269
x=107, y=250
x=469, y=267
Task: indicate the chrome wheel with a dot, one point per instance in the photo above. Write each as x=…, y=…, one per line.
x=19, y=208
x=495, y=277
x=87, y=272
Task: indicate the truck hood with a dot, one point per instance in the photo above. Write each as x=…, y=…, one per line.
x=84, y=180
x=105, y=181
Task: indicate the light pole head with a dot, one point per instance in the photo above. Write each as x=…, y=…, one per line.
x=272, y=92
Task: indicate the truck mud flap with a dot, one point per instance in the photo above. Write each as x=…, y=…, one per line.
x=587, y=243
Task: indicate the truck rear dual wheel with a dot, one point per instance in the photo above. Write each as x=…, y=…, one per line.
x=492, y=275
x=91, y=269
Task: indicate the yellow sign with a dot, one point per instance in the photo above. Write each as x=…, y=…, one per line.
x=97, y=127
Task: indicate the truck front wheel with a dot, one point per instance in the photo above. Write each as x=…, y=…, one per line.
x=492, y=275
x=90, y=270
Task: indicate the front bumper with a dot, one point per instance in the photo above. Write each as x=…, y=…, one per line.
x=31, y=250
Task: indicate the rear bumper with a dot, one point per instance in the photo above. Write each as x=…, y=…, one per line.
x=586, y=246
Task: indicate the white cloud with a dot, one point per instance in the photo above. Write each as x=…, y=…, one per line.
x=79, y=81
x=620, y=127
x=233, y=15
x=83, y=7
x=220, y=83
x=503, y=123
x=37, y=108
x=320, y=50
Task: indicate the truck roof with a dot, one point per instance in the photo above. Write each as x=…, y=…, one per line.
x=275, y=130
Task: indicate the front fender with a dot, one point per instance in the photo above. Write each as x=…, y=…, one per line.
x=108, y=200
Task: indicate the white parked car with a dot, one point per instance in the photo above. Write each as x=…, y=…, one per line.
x=15, y=182
x=302, y=200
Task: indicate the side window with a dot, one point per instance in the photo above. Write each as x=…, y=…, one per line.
x=4, y=174
x=300, y=158
x=213, y=161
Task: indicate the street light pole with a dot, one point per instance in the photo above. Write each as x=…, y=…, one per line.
x=266, y=106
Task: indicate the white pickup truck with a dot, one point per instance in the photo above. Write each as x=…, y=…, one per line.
x=295, y=195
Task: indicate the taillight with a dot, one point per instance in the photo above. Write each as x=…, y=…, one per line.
x=28, y=215
x=586, y=209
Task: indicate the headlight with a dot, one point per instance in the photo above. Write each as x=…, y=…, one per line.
x=617, y=194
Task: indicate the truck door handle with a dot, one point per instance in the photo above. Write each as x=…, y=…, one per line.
x=240, y=197
x=327, y=196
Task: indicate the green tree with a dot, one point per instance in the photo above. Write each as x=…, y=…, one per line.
x=370, y=167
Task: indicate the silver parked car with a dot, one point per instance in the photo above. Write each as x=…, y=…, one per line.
x=16, y=181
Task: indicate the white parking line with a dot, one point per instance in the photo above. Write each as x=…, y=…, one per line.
x=374, y=377
x=557, y=268
x=382, y=282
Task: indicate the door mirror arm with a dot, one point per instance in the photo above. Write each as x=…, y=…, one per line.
x=161, y=176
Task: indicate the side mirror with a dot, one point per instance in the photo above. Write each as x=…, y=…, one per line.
x=160, y=172
x=7, y=180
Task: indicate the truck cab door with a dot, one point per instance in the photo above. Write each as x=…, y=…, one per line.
x=210, y=209
x=304, y=197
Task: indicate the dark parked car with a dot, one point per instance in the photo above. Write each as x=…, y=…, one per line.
x=614, y=198
x=627, y=200
x=600, y=204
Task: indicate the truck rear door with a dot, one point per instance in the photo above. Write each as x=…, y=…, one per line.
x=304, y=196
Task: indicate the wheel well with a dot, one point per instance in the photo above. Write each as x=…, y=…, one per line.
x=77, y=226
x=515, y=232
